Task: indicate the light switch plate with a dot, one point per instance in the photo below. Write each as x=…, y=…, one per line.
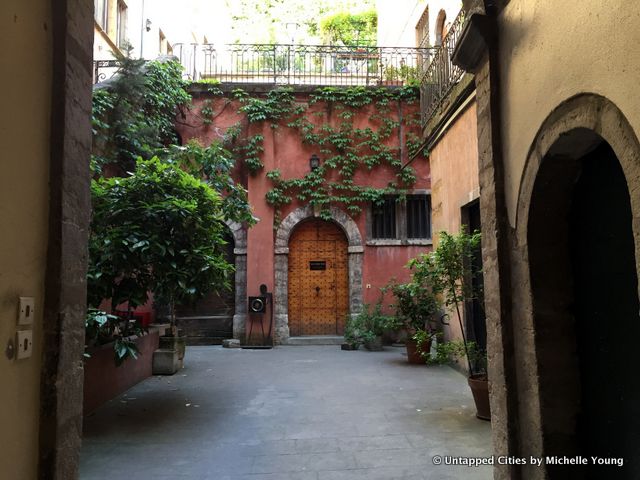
x=24, y=344
x=26, y=310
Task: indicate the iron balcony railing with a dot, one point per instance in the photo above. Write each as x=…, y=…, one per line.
x=441, y=75
x=303, y=64
x=104, y=69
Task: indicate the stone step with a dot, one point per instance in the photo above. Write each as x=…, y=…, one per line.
x=205, y=340
x=316, y=340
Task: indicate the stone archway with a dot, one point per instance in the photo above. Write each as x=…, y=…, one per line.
x=355, y=252
x=549, y=271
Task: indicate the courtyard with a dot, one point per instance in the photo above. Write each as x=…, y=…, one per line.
x=294, y=412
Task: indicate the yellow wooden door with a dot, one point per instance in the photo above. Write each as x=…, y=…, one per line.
x=318, y=279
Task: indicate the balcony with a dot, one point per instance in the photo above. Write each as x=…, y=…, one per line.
x=313, y=65
x=441, y=75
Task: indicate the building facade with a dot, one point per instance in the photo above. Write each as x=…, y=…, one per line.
x=321, y=263
x=558, y=121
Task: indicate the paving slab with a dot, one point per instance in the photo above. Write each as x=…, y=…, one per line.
x=291, y=413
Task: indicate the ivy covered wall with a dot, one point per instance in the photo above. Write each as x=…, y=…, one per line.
x=362, y=137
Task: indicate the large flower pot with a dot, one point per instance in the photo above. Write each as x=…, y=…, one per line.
x=480, y=389
x=413, y=354
x=374, y=345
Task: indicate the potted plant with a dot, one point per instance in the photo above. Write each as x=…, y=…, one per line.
x=368, y=326
x=415, y=306
x=352, y=333
x=158, y=230
x=449, y=269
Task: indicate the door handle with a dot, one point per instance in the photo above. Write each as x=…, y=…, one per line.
x=317, y=290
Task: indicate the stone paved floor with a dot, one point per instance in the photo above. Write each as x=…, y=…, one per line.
x=292, y=413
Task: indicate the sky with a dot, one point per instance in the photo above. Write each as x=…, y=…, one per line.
x=247, y=21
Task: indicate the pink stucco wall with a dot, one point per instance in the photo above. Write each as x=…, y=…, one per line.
x=455, y=156
x=284, y=150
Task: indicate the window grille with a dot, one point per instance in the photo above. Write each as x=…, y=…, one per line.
x=418, y=216
x=383, y=222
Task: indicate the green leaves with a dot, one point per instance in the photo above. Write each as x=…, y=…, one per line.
x=350, y=28
x=133, y=116
x=158, y=230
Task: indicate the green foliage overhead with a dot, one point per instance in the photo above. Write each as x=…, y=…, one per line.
x=158, y=230
x=214, y=165
x=350, y=28
x=134, y=113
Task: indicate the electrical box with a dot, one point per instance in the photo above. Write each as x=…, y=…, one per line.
x=26, y=313
x=24, y=344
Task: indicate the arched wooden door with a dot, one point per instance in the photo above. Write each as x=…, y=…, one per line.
x=318, y=279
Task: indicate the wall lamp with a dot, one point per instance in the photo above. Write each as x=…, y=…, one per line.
x=148, y=25
x=314, y=162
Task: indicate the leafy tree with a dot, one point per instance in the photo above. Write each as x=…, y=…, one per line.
x=350, y=29
x=214, y=164
x=448, y=269
x=160, y=230
x=134, y=113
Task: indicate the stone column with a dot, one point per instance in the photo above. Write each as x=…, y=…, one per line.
x=60, y=433
x=356, y=254
x=240, y=315
x=281, y=300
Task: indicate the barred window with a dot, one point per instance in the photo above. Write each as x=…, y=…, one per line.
x=383, y=222
x=418, y=216
x=401, y=221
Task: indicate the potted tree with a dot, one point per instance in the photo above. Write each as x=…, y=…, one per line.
x=415, y=306
x=450, y=273
x=158, y=230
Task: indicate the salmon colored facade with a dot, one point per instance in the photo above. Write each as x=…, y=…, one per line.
x=372, y=262
x=455, y=188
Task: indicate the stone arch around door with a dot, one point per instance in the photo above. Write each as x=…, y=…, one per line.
x=239, y=233
x=355, y=252
x=543, y=314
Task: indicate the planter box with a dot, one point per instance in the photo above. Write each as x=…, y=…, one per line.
x=104, y=381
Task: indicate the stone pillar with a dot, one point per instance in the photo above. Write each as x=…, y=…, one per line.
x=240, y=315
x=60, y=433
x=281, y=300
x=356, y=255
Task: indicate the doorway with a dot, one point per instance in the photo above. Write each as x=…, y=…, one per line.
x=475, y=317
x=585, y=305
x=318, y=288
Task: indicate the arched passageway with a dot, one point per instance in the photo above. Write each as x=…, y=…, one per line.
x=585, y=306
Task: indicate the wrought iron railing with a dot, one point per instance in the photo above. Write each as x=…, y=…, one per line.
x=104, y=70
x=441, y=75
x=303, y=64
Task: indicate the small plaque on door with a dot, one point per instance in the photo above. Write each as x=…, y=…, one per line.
x=317, y=265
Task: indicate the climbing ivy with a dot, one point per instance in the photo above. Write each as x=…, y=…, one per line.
x=345, y=148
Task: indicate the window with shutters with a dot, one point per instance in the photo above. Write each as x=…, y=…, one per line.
x=101, y=12
x=121, y=26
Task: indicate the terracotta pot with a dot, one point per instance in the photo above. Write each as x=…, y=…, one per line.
x=480, y=389
x=413, y=354
x=348, y=346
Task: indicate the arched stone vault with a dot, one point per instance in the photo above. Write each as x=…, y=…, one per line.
x=356, y=252
x=572, y=130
